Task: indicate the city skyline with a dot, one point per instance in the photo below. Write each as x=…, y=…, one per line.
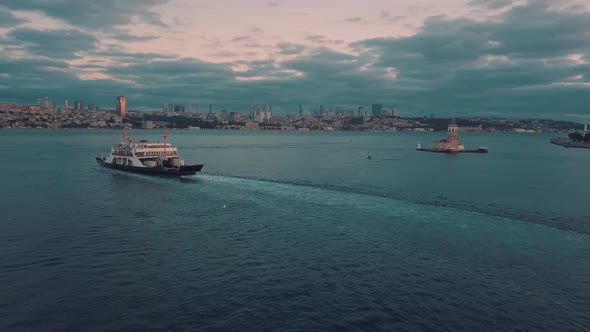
x=502, y=57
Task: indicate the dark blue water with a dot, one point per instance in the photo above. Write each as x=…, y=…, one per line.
x=295, y=231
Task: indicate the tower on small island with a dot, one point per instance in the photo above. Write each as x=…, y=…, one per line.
x=451, y=143
x=121, y=106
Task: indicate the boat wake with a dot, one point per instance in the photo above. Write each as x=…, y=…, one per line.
x=433, y=209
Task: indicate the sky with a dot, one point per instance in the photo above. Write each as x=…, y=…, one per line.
x=513, y=58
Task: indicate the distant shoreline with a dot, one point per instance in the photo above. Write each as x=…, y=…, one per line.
x=293, y=131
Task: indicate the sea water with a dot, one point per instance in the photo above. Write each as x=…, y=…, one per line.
x=295, y=231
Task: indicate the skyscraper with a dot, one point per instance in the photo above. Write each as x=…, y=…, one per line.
x=377, y=110
x=91, y=106
x=121, y=108
x=261, y=113
x=66, y=105
x=79, y=105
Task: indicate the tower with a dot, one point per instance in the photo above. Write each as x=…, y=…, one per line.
x=121, y=107
x=66, y=105
x=453, y=134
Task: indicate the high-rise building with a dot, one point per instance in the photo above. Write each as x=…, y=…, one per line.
x=46, y=102
x=377, y=110
x=361, y=110
x=66, y=105
x=235, y=116
x=91, y=107
x=121, y=106
x=79, y=105
x=300, y=110
x=261, y=113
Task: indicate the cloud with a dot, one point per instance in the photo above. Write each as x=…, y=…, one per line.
x=8, y=20
x=510, y=63
x=255, y=29
x=240, y=38
x=386, y=15
x=491, y=4
x=118, y=55
x=104, y=14
x=58, y=44
x=355, y=19
x=321, y=39
x=290, y=48
x=528, y=58
x=128, y=37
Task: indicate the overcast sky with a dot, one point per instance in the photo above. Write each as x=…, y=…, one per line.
x=517, y=58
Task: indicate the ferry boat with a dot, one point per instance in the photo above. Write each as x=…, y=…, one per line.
x=147, y=157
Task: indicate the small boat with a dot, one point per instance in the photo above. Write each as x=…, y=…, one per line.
x=147, y=157
x=369, y=157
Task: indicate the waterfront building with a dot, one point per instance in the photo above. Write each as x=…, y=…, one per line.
x=121, y=106
x=251, y=126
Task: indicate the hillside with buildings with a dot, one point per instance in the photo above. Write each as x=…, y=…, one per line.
x=257, y=117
